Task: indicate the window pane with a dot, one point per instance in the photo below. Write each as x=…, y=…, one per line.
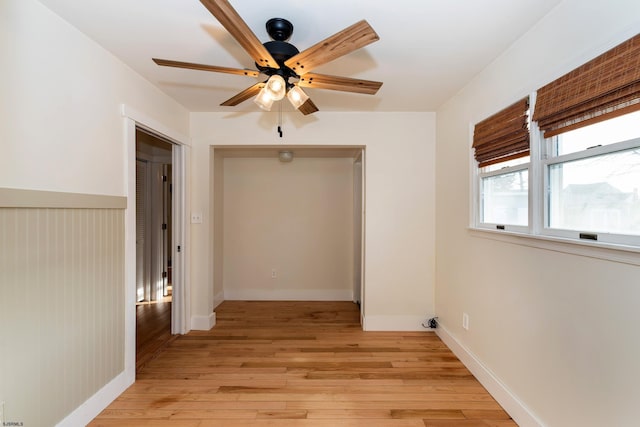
x=508, y=163
x=596, y=194
x=505, y=198
x=619, y=129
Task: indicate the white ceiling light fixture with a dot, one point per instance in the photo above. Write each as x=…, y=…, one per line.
x=264, y=99
x=276, y=86
x=274, y=90
x=285, y=156
x=297, y=97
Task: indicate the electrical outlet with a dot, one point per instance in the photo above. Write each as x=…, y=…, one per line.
x=274, y=273
x=465, y=321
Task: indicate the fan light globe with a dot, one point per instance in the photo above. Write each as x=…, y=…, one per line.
x=297, y=97
x=264, y=99
x=276, y=86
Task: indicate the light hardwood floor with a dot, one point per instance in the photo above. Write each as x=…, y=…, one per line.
x=153, y=330
x=303, y=364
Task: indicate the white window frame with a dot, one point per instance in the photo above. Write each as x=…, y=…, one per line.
x=479, y=204
x=614, y=247
x=548, y=161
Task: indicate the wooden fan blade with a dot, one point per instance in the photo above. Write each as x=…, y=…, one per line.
x=308, y=107
x=345, y=84
x=202, y=67
x=240, y=31
x=346, y=41
x=249, y=92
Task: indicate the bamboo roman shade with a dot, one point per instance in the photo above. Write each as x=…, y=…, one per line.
x=603, y=88
x=503, y=136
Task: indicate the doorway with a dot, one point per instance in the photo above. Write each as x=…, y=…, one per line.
x=288, y=230
x=154, y=206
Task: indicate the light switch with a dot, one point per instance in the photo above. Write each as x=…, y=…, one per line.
x=196, y=218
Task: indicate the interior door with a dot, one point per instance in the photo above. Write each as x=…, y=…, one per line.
x=166, y=228
x=142, y=243
x=180, y=312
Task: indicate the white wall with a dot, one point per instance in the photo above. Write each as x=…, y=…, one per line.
x=400, y=212
x=60, y=108
x=296, y=218
x=62, y=130
x=558, y=330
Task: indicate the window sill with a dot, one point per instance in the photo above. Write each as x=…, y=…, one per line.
x=606, y=251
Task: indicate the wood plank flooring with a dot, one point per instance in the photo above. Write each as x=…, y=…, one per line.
x=153, y=330
x=303, y=364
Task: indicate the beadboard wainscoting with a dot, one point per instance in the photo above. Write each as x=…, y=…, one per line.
x=61, y=301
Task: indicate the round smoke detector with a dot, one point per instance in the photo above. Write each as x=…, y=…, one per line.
x=285, y=156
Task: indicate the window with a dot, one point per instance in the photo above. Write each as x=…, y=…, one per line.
x=592, y=178
x=501, y=144
x=606, y=133
x=505, y=198
x=580, y=177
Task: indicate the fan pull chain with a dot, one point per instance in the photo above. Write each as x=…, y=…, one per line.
x=280, y=119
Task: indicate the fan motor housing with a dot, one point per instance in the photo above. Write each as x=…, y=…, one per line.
x=281, y=51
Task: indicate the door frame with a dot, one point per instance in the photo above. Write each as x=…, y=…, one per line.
x=361, y=233
x=181, y=305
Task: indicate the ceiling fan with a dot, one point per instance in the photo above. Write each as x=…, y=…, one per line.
x=287, y=68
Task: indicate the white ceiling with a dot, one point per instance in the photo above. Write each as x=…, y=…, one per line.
x=428, y=50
